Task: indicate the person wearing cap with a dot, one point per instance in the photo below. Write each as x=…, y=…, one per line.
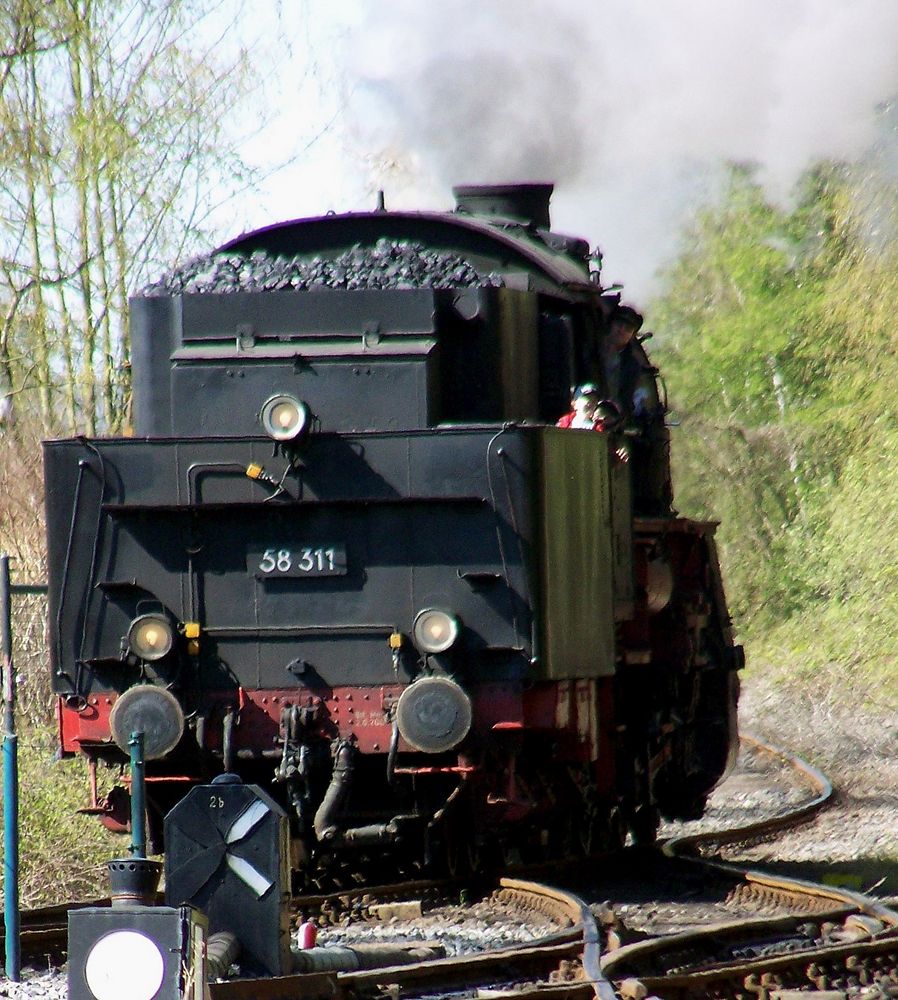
x=623, y=325
x=590, y=412
x=626, y=318
x=583, y=407
x=631, y=383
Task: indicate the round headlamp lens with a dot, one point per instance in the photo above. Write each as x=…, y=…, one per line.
x=124, y=964
x=434, y=631
x=284, y=417
x=150, y=637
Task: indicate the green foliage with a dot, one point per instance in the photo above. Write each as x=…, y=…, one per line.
x=779, y=350
x=61, y=854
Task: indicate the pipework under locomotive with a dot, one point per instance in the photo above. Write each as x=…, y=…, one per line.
x=347, y=553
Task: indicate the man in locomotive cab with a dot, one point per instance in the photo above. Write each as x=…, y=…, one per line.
x=607, y=416
x=631, y=382
x=620, y=361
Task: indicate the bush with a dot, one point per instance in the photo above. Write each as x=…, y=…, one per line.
x=61, y=853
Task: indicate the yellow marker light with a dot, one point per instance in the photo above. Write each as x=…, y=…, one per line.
x=434, y=631
x=395, y=640
x=254, y=471
x=150, y=637
x=191, y=630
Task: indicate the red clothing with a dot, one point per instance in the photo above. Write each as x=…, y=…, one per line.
x=621, y=454
x=568, y=419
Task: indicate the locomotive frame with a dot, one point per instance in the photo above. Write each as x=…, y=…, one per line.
x=346, y=551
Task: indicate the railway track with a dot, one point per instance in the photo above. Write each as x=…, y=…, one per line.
x=565, y=963
x=829, y=936
x=828, y=932
x=831, y=939
x=572, y=954
x=44, y=930
x=820, y=793
x=837, y=954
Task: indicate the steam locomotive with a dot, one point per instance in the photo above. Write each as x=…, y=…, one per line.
x=347, y=554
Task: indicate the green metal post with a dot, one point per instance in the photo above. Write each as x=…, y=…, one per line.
x=10, y=784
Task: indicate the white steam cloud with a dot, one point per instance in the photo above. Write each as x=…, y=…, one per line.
x=628, y=105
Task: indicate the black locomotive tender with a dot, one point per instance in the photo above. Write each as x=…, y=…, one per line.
x=347, y=554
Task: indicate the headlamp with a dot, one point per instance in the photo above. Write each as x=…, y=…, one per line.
x=284, y=417
x=434, y=631
x=150, y=637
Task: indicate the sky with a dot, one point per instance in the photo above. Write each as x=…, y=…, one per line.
x=629, y=106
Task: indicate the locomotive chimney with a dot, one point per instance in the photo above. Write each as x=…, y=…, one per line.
x=527, y=203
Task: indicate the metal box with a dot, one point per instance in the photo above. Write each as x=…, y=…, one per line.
x=138, y=952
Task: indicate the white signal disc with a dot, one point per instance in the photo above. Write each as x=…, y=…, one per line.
x=124, y=964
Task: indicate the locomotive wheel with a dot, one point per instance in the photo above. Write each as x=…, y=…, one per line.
x=688, y=808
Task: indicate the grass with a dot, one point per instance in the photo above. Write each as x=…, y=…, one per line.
x=62, y=854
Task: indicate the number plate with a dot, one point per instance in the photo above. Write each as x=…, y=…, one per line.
x=312, y=560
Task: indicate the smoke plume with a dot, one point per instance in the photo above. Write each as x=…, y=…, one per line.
x=628, y=105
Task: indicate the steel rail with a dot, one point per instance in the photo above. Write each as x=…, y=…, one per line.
x=820, y=785
x=583, y=919
x=794, y=967
x=626, y=962
x=45, y=929
x=579, y=940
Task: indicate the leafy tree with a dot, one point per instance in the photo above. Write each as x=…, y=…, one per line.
x=114, y=136
x=779, y=347
x=729, y=335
